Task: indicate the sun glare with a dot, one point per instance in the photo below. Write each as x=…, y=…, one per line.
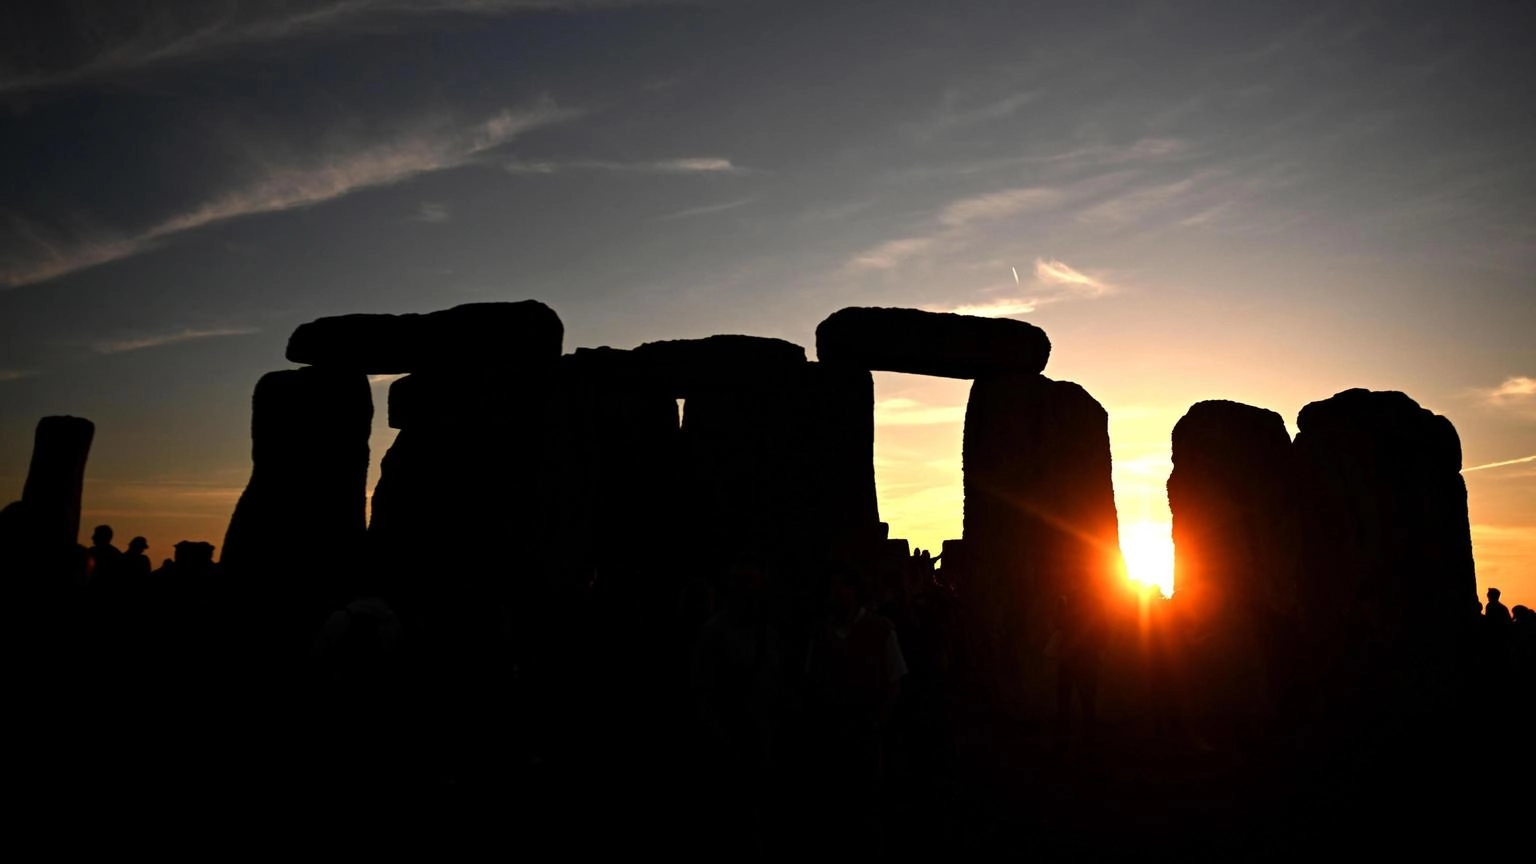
x=1148, y=550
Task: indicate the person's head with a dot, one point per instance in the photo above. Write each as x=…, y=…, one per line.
x=138, y=545
x=102, y=535
x=745, y=583
x=193, y=552
x=1493, y=595
x=845, y=591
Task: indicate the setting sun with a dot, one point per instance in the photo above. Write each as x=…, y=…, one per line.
x=1148, y=550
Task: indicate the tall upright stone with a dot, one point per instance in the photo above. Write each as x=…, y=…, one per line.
x=1387, y=577
x=1233, y=498
x=56, y=479
x=615, y=457
x=463, y=504
x=777, y=453
x=463, y=499
x=295, y=541
x=1040, y=520
x=737, y=464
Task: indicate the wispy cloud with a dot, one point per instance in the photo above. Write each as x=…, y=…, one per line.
x=1004, y=307
x=1521, y=461
x=955, y=114
x=687, y=165
x=1053, y=281
x=119, y=346
x=997, y=205
x=1519, y=390
x=1136, y=204
x=708, y=208
x=1053, y=272
x=902, y=411
x=285, y=187
x=164, y=35
x=15, y=374
x=890, y=254
x=431, y=212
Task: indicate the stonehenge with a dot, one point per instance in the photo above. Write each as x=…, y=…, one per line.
x=519, y=468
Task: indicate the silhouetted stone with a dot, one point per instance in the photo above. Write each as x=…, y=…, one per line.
x=930, y=343
x=295, y=539
x=616, y=457
x=465, y=481
x=1233, y=497
x=1386, y=577
x=691, y=367
x=56, y=478
x=779, y=467
x=474, y=335
x=1040, y=517
x=1232, y=493
x=474, y=395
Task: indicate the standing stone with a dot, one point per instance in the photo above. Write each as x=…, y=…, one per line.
x=463, y=499
x=616, y=463
x=931, y=343
x=741, y=466
x=56, y=479
x=1233, y=498
x=1040, y=519
x=1388, y=583
x=295, y=541
x=838, y=439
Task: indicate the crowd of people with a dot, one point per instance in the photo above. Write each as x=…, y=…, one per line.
x=817, y=704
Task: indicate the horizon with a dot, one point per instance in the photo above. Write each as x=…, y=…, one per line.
x=1297, y=204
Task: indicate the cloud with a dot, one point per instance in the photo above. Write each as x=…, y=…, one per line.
x=952, y=117
x=1054, y=272
x=891, y=254
x=901, y=411
x=15, y=374
x=286, y=187
x=1004, y=307
x=1520, y=461
x=708, y=208
x=384, y=380
x=1519, y=390
x=1053, y=281
x=1136, y=205
x=105, y=44
x=432, y=213
x=686, y=165
x=122, y=345
x=997, y=205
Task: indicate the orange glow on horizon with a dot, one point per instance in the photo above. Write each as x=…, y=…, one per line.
x=1148, y=550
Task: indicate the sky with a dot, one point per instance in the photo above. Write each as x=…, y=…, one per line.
x=1254, y=201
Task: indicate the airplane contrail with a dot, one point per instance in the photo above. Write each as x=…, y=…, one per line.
x=1015, y=274
x=1531, y=458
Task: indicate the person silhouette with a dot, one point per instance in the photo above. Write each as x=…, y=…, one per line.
x=1077, y=649
x=1496, y=613
x=135, y=564
x=736, y=676
x=104, y=556
x=854, y=670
